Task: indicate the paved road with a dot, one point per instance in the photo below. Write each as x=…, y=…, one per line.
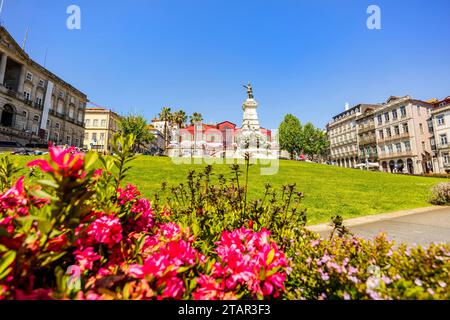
x=417, y=228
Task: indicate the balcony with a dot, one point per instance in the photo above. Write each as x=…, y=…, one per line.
x=389, y=155
x=370, y=155
x=404, y=135
x=59, y=115
x=366, y=127
x=368, y=140
x=443, y=145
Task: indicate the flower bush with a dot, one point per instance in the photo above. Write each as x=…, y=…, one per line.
x=440, y=194
x=75, y=231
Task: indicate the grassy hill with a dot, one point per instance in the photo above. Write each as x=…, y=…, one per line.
x=328, y=190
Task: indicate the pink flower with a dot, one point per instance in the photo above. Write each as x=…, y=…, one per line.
x=127, y=195
x=106, y=230
x=250, y=259
x=86, y=258
x=143, y=219
x=64, y=162
x=173, y=287
x=14, y=198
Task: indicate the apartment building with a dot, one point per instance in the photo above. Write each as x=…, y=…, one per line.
x=100, y=127
x=403, y=135
x=367, y=140
x=440, y=122
x=342, y=134
x=36, y=106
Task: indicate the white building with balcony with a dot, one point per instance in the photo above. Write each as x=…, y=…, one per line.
x=403, y=136
x=441, y=124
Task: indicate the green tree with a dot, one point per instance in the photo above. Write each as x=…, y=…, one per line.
x=290, y=135
x=166, y=116
x=136, y=125
x=179, y=118
x=195, y=118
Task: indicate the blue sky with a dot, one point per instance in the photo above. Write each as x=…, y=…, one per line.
x=303, y=57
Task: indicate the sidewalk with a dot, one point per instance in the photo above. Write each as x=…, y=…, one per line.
x=418, y=226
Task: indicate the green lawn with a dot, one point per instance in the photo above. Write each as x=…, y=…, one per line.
x=328, y=190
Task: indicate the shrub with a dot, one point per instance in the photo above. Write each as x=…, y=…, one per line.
x=440, y=194
x=78, y=233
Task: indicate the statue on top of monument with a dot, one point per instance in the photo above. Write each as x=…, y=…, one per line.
x=249, y=90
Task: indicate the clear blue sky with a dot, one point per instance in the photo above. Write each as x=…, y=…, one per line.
x=303, y=57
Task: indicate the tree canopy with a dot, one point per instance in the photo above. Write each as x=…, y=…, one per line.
x=136, y=125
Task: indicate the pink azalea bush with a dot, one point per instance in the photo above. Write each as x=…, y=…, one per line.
x=123, y=250
x=82, y=234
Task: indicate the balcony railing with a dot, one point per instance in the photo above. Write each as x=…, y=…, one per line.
x=404, y=135
x=443, y=145
x=366, y=127
x=388, y=155
x=368, y=140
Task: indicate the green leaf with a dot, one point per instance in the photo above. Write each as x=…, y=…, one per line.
x=5, y=262
x=3, y=232
x=270, y=257
x=48, y=183
x=89, y=160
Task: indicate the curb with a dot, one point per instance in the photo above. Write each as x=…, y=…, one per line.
x=375, y=218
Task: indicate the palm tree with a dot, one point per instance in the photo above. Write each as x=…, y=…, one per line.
x=166, y=116
x=179, y=118
x=196, y=118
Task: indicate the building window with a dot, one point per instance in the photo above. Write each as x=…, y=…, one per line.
x=95, y=123
x=49, y=123
x=87, y=122
x=103, y=123
x=397, y=130
x=388, y=132
x=27, y=96
x=440, y=120
x=57, y=125
x=39, y=101
x=71, y=113
x=405, y=128
x=380, y=119
x=446, y=158
x=94, y=136
x=86, y=136
x=386, y=116
x=443, y=138
x=394, y=114
x=381, y=133
x=61, y=94
x=41, y=83
x=403, y=111
x=418, y=110
x=407, y=145
x=390, y=148
x=421, y=128
x=398, y=146
x=29, y=76
x=102, y=136
x=36, y=118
